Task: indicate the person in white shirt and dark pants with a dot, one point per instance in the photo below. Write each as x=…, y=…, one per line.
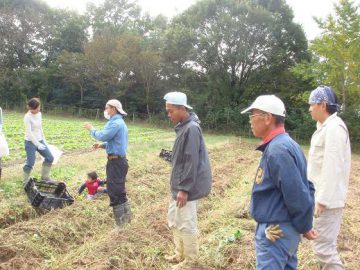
x=35, y=141
x=329, y=170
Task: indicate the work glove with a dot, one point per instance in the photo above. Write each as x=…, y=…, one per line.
x=41, y=146
x=273, y=232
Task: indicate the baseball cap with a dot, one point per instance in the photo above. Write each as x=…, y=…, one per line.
x=117, y=104
x=268, y=103
x=177, y=98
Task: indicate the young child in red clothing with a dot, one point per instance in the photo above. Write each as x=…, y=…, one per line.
x=94, y=186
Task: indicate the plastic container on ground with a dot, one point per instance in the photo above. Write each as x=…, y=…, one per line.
x=47, y=194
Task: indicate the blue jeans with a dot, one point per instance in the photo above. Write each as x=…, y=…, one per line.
x=278, y=255
x=31, y=149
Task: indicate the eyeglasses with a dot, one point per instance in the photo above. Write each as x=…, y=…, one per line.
x=251, y=116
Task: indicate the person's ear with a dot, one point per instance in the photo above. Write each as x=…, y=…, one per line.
x=323, y=105
x=268, y=118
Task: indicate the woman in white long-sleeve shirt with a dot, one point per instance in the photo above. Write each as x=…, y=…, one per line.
x=35, y=141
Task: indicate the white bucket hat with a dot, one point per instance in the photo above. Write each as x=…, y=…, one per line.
x=177, y=98
x=268, y=103
x=117, y=104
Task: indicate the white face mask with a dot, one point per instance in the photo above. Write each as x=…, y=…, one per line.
x=106, y=115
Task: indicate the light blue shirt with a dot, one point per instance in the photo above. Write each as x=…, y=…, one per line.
x=114, y=134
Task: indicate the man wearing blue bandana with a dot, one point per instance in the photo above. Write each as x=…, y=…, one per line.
x=329, y=170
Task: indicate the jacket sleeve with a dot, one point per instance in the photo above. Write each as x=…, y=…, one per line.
x=107, y=133
x=295, y=190
x=82, y=187
x=333, y=164
x=190, y=159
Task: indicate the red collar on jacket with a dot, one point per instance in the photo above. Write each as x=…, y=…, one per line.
x=272, y=134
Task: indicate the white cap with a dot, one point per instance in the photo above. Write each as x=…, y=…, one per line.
x=117, y=104
x=177, y=98
x=268, y=103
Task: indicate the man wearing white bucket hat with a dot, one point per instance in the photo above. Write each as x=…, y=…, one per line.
x=115, y=138
x=282, y=198
x=190, y=179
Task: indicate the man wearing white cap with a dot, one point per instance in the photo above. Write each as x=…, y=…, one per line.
x=115, y=138
x=329, y=169
x=282, y=198
x=190, y=179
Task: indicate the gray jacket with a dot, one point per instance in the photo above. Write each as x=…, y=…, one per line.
x=191, y=167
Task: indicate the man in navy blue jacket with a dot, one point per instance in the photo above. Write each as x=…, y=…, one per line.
x=282, y=199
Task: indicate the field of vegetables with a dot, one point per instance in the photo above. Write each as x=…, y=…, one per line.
x=66, y=133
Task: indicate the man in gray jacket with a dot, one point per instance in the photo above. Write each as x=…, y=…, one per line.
x=190, y=179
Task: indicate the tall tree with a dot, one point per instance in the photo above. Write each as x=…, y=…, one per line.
x=113, y=16
x=336, y=53
x=228, y=42
x=73, y=68
x=109, y=63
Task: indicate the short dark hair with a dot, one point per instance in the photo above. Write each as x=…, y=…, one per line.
x=93, y=175
x=33, y=103
x=279, y=119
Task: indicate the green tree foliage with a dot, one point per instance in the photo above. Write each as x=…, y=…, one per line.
x=221, y=53
x=32, y=36
x=228, y=52
x=336, y=54
x=113, y=16
x=336, y=60
x=73, y=68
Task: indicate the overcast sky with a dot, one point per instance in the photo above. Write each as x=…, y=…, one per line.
x=304, y=10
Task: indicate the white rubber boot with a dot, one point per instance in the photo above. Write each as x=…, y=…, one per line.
x=45, y=171
x=191, y=251
x=179, y=248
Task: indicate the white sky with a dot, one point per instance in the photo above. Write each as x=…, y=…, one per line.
x=304, y=10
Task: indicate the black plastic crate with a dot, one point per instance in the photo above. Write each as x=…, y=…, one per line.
x=47, y=194
x=166, y=154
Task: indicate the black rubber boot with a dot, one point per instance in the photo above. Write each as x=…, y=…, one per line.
x=122, y=213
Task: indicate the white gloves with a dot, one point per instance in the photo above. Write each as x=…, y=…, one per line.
x=273, y=232
x=41, y=146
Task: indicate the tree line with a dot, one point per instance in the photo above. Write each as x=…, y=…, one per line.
x=222, y=54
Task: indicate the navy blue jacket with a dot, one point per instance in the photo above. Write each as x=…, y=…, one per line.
x=282, y=191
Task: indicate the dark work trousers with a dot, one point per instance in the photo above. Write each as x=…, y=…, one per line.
x=116, y=171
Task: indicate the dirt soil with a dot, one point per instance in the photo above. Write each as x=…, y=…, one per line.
x=82, y=236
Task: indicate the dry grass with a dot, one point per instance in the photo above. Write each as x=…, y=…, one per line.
x=82, y=236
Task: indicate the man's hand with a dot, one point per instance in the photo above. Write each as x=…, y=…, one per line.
x=96, y=146
x=311, y=235
x=181, y=198
x=319, y=209
x=88, y=126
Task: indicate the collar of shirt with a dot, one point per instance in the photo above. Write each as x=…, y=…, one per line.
x=320, y=125
x=115, y=116
x=275, y=132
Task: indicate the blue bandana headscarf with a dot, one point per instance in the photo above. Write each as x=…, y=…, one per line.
x=323, y=94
